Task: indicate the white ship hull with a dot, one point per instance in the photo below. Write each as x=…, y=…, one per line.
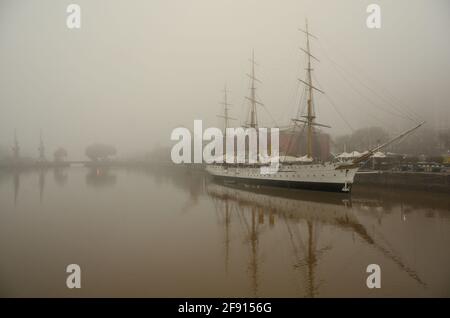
x=320, y=176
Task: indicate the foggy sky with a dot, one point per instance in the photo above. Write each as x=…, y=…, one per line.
x=137, y=69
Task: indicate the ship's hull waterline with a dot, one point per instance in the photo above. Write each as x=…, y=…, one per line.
x=318, y=177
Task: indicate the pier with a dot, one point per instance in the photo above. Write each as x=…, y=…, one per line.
x=427, y=181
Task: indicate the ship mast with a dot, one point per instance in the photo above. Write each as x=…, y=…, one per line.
x=253, y=119
x=253, y=102
x=226, y=110
x=225, y=115
x=225, y=107
x=310, y=115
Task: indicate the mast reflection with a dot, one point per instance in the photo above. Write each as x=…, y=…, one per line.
x=303, y=215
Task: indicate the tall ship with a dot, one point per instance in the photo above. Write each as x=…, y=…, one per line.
x=305, y=172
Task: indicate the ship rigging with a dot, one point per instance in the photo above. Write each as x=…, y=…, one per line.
x=304, y=172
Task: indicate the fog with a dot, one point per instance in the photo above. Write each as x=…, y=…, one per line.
x=137, y=69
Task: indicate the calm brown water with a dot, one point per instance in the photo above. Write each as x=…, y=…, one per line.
x=148, y=233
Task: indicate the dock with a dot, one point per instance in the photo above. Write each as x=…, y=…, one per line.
x=428, y=181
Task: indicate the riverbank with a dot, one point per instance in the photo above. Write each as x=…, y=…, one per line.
x=427, y=181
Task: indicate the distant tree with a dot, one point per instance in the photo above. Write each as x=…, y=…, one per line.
x=97, y=152
x=60, y=154
x=158, y=154
x=361, y=139
x=444, y=140
x=425, y=141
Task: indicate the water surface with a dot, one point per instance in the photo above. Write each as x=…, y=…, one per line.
x=175, y=233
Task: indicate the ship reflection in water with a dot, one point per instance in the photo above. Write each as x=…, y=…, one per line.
x=155, y=232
